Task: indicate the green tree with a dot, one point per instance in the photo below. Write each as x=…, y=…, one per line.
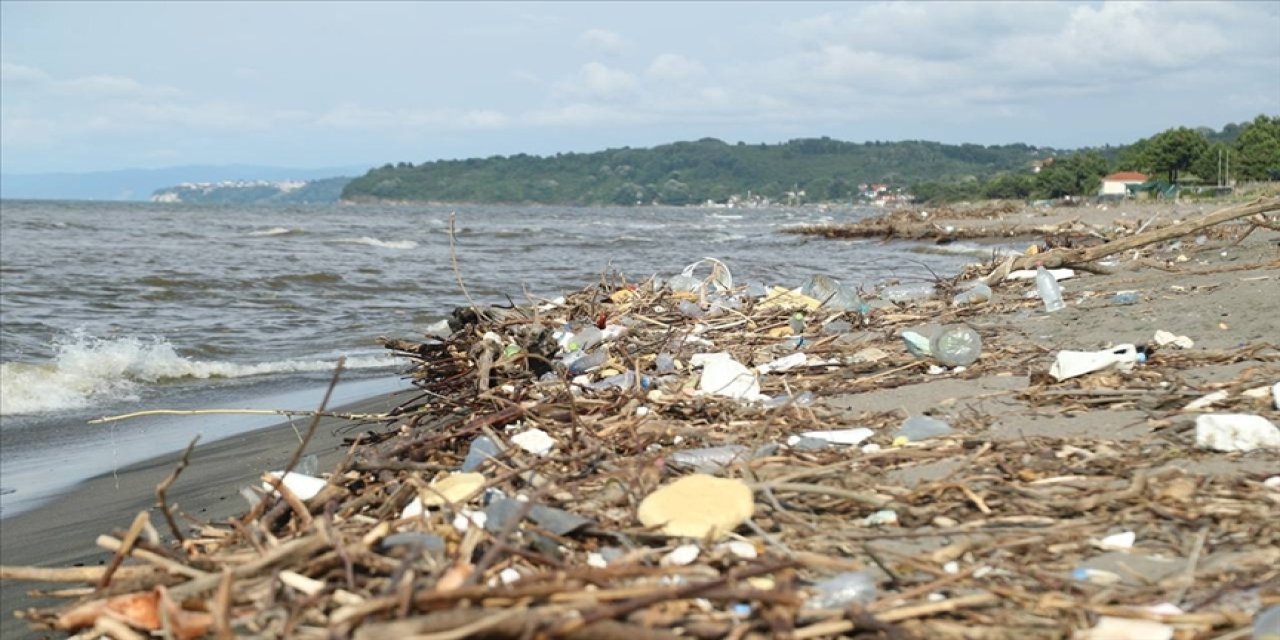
x=1208, y=167
x=1175, y=150
x=1075, y=175
x=1257, y=150
x=1009, y=186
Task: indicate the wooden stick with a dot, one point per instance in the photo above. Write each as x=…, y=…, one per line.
x=247, y=412
x=111, y=544
x=126, y=545
x=1075, y=257
x=168, y=482
x=68, y=574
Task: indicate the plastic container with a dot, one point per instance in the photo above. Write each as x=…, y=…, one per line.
x=956, y=346
x=1049, y=290
x=843, y=589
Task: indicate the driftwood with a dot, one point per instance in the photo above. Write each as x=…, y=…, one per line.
x=1082, y=258
x=984, y=543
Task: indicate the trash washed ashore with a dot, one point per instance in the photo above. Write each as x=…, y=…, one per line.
x=696, y=457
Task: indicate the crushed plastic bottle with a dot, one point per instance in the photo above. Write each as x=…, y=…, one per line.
x=586, y=362
x=956, y=346
x=976, y=293
x=841, y=590
x=836, y=328
x=482, y=448
x=664, y=363
x=1125, y=297
x=917, y=428
x=833, y=295
x=690, y=309
x=1050, y=291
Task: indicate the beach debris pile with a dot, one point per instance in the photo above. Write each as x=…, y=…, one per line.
x=694, y=457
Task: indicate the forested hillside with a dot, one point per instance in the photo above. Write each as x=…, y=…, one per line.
x=690, y=172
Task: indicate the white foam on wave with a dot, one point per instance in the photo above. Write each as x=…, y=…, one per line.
x=384, y=244
x=274, y=231
x=966, y=249
x=87, y=370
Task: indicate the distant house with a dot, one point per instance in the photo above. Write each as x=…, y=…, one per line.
x=1117, y=184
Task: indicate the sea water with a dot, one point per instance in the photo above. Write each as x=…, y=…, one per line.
x=110, y=307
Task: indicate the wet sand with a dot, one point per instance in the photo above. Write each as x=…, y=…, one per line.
x=62, y=533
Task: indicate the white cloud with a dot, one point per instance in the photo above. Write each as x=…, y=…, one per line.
x=672, y=67
x=108, y=86
x=10, y=72
x=602, y=41
x=597, y=81
x=353, y=116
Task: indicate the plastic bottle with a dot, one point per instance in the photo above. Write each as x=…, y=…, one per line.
x=1049, y=289
x=843, y=589
x=797, y=323
x=956, y=346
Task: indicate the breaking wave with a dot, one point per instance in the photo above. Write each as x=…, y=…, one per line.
x=384, y=244
x=88, y=370
x=275, y=231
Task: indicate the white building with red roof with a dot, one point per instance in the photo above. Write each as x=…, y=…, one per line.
x=1117, y=184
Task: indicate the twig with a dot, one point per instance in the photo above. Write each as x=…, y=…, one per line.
x=302, y=446
x=168, y=482
x=453, y=257
x=366, y=417
x=130, y=537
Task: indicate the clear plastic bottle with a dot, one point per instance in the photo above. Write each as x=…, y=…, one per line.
x=1049, y=289
x=956, y=346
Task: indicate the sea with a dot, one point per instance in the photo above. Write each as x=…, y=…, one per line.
x=108, y=308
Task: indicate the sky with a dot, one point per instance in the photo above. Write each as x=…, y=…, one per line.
x=103, y=85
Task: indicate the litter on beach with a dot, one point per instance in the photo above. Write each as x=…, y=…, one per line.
x=924, y=470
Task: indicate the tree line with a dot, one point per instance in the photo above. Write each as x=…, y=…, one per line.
x=819, y=170
x=1249, y=151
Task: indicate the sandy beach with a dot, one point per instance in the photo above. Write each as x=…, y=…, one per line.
x=1010, y=427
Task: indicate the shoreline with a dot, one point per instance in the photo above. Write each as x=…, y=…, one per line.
x=62, y=532
x=1042, y=458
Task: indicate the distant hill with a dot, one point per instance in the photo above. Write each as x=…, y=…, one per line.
x=692, y=172
x=323, y=191
x=140, y=184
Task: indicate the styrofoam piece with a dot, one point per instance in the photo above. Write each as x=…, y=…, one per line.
x=1120, y=541
x=681, y=556
x=724, y=376
x=1112, y=628
x=836, y=436
x=413, y=509
x=1030, y=274
x=535, y=441
x=1165, y=338
x=304, y=486
x=1207, y=400
x=1069, y=364
x=784, y=363
x=1235, y=432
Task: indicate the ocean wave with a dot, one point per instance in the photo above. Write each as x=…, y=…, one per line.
x=384, y=244
x=275, y=231
x=87, y=370
x=965, y=249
